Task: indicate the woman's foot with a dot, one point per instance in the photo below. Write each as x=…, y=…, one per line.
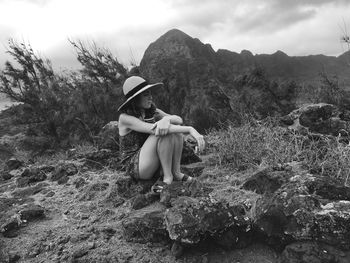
x=183, y=177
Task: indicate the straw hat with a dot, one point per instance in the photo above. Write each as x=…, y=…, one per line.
x=133, y=86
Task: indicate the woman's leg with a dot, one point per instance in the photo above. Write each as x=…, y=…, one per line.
x=156, y=151
x=165, y=153
x=178, y=146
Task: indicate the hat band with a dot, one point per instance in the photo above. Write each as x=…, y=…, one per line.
x=136, y=89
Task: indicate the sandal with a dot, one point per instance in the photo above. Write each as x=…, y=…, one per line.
x=158, y=187
x=186, y=178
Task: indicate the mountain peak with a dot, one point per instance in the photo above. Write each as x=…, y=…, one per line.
x=175, y=33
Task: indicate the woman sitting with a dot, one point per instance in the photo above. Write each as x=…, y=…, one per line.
x=149, y=137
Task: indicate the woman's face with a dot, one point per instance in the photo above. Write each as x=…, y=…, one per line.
x=144, y=100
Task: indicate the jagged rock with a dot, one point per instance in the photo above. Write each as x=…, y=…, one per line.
x=31, y=175
x=300, y=210
x=190, y=219
x=319, y=118
x=176, y=189
x=13, y=164
x=313, y=252
x=143, y=200
x=28, y=213
x=146, y=224
x=79, y=182
x=266, y=180
x=128, y=187
x=28, y=191
x=63, y=171
x=193, y=169
x=31, y=212
x=5, y=175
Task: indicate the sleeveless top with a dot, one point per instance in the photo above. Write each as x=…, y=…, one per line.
x=131, y=143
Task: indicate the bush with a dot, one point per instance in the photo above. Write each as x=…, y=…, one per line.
x=72, y=106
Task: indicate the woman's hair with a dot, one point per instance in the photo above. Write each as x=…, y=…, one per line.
x=133, y=110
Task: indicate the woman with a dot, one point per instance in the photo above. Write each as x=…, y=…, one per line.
x=149, y=137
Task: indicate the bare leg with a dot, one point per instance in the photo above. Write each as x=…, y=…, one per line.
x=165, y=153
x=178, y=145
x=149, y=161
x=154, y=152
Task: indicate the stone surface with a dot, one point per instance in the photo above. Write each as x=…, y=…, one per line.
x=313, y=252
x=13, y=164
x=30, y=175
x=296, y=212
x=190, y=220
x=146, y=224
x=63, y=171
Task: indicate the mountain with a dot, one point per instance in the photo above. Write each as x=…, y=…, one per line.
x=200, y=83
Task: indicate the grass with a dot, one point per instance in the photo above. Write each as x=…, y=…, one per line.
x=255, y=144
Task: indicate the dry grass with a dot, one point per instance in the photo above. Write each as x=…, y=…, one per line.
x=256, y=144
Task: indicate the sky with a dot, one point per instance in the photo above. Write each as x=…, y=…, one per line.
x=128, y=27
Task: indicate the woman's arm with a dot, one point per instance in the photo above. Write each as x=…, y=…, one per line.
x=132, y=123
x=173, y=119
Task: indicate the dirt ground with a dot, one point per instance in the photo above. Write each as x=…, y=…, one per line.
x=82, y=225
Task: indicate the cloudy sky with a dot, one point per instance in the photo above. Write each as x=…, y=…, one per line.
x=127, y=27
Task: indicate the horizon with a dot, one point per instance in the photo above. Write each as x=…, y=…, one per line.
x=127, y=28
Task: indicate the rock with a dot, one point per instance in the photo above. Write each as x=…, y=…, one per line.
x=79, y=182
x=32, y=212
x=188, y=155
x=191, y=220
x=30, y=175
x=319, y=118
x=296, y=212
x=193, y=169
x=193, y=189
x=109, y=136
x=10, y=226
x=128, y=187
x=266, y=180
x=313, y=252
x=5, y=175
x=146, y=224
x=63, y=171
x=13, y=164
x=28, y=191
x=143, y=200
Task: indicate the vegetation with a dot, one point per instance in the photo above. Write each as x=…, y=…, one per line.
x=68, y=107
x=256, y=144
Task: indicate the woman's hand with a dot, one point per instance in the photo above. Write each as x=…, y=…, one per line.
x=199, y=138
x=162, y=127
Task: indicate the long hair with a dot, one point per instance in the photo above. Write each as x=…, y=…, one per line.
x=133, y=110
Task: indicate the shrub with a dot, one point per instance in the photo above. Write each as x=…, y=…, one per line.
x=69, y=107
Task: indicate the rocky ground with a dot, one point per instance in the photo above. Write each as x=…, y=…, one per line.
x=80, y=207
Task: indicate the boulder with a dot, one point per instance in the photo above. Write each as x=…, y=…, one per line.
x=313, y=252
x=319, y=118
x=63, y=171
x=302, y=210
x=31, y=175
x=146, y=224
x=191, y=220
x=13, y=163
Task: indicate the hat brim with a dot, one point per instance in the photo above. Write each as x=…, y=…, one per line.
x=159, y=84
